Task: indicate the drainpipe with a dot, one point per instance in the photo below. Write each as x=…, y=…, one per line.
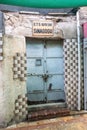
x=79, y=60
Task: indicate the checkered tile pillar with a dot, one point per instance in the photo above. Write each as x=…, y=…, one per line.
x=82, y=77
x=85, y=72
x=21, y=108
x=71, y=72
x=1, y=47
x=19, y=66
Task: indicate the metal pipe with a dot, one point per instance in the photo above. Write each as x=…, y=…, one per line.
x=46, y=3
x=79, y=60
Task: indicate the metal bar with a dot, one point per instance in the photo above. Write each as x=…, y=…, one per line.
x=35, y=58
x=41, y=91
x=54, y=57
x=28, y=74
x=43, y=58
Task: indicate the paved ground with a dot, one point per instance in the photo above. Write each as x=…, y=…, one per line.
x=78, y=122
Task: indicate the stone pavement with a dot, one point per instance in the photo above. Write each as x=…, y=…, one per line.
x=76, y=122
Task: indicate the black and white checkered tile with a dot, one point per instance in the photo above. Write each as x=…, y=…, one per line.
x=71, y=72
x=1, y=47
x=82, y=77
x=19, y=66
x=21, y=108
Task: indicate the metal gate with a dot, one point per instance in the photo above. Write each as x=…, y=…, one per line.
x=45, y=76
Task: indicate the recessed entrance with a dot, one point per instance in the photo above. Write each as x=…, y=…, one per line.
x=45, y=71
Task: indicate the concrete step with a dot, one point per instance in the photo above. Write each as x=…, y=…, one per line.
x=47, y=111
x=46, y=106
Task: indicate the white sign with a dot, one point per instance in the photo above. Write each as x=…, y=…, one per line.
x=42, y=28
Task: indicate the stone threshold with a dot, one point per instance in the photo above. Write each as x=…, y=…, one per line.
x=32, y=108
x=48, y=114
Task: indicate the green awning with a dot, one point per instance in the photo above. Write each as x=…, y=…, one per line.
x=46, y=3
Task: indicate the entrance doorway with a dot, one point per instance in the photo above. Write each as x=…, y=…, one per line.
x=45, y=71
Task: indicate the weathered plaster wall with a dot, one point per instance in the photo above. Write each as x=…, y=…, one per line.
x=2, y=97
x=17, y=27
x=21, y=24
x=83, y=14
x=10, y=88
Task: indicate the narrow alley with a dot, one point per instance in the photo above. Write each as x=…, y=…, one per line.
x=76, y=122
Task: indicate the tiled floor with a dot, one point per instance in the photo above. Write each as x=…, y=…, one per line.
x=76, y=122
